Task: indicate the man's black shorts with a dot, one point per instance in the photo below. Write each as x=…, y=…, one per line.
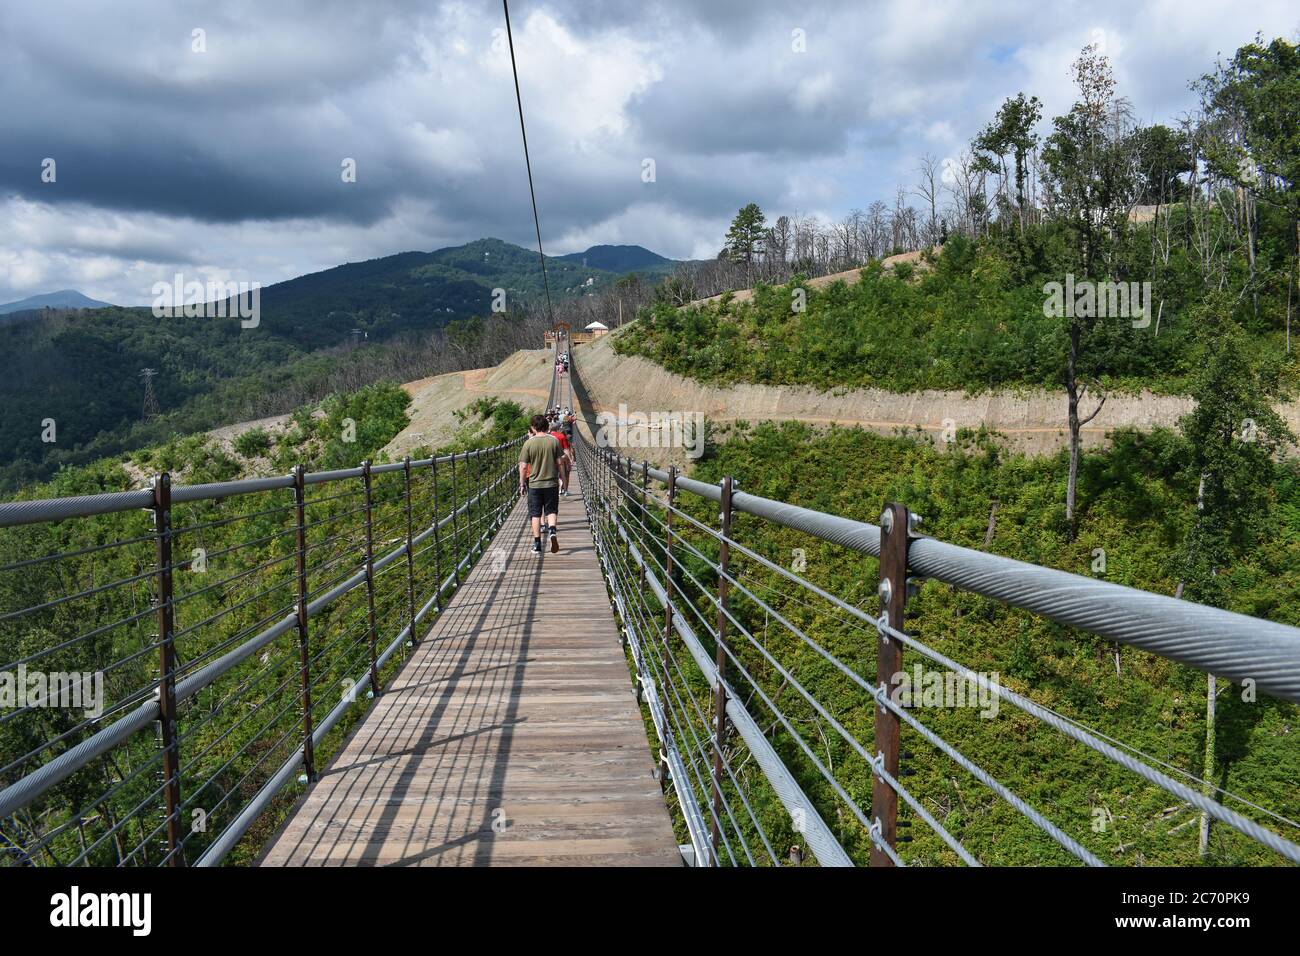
x=543, y=501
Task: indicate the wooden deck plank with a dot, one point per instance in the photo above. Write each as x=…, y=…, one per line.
x=510, y=738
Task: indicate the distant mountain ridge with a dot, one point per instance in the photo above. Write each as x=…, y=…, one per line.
x=621, y=259
x=421, y=290
x=81, y=367
x=63, y=299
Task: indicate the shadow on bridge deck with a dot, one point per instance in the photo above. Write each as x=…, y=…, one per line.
x=511, y=737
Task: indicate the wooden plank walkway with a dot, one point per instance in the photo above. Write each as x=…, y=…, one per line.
x=510, y=738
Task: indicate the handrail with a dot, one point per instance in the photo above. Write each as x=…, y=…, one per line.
x=642, y=551
x=30, y=511
x=1210, y=639
x=481, y=513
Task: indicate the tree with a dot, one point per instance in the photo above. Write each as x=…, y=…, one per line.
x=745, y=237
x=1012, y=131
x=929, y=192
x=779, y=238
x=1254, y=107
x=1163, y=156
x=1092, y=182
x=965, y=183
x=1233, y=434
x=1260, y=90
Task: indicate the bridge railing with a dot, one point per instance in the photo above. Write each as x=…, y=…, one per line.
x=176, y=657
x=747, y=665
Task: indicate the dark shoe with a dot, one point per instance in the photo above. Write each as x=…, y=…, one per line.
x=555, y=543
x=537, y=547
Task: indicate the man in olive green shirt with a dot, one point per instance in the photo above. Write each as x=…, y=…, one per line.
x=539, y=478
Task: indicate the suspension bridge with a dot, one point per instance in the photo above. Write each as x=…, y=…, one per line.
x=364, y=666
x=367, y=667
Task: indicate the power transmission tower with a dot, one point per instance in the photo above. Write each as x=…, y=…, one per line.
x=151, y=408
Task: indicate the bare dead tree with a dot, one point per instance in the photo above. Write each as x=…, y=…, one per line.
x=929, y=191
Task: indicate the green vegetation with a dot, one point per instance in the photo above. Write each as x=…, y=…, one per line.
x=253, y=442
x=973, y=321
x=622, y=259
x=745, y=237
x=1212, y=205
x=1140, y=506
x=484, y=422
x=81, y=368
x=235, y=577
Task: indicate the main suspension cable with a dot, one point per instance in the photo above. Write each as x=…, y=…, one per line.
x=546, y=284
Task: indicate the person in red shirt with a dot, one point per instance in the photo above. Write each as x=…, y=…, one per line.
x=566, y=460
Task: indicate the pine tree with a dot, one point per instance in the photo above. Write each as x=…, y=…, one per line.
x=745, y=237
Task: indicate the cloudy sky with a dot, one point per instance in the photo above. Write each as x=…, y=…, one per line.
x=219, y=153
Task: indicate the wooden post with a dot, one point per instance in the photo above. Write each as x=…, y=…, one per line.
x=889, y=661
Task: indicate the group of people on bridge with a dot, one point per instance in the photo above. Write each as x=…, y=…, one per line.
x=545, y=464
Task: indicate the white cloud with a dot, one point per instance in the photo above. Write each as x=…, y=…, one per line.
x=229, y=160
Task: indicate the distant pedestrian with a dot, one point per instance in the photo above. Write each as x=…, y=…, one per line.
x=566, y=460
x=539, y=478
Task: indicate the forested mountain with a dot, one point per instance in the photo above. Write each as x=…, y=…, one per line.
x=63, y=299
x=80, y=368
x=415, y=291
x=621, y=259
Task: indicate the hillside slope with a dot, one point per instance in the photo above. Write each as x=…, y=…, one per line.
x=524, y=378
x=81, y=368
x=848, y=277
x=1030, y=421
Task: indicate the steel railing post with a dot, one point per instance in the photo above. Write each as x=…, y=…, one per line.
x=410, y=553
x=720, y=665
x=668, y=553
x=627, y=486
x=645, y=513
x=471, y=521
x=638, y=513
x=455, y=533
x=477, y=504
x=894, y=529
x=300, y=612
x=171, y=756
x=437, y=541
x=370, y=578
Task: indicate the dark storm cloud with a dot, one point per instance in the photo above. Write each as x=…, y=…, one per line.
x=136, y=120
x=230, y=159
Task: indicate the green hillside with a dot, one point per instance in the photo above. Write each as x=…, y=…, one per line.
x=81, y=368
x=969, y=318
x=1140, y=506
x=228, y=756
